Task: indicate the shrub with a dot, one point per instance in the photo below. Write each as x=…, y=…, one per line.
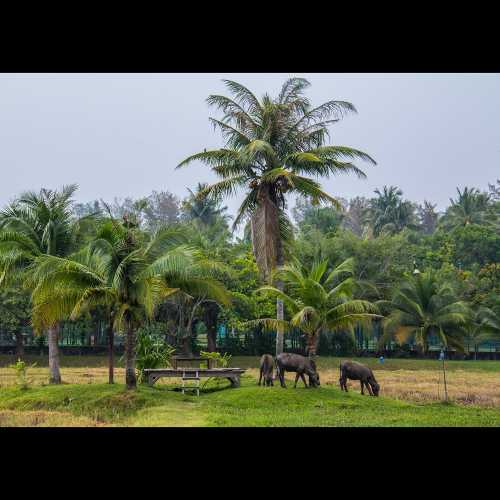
x=22, y=373
x=152, y=352
x=221, y=360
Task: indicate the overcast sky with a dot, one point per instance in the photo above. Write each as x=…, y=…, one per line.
x=122, y=135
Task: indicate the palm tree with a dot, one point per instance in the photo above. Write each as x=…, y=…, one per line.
x=199, y=207
x=128, y=275
x=356, y=216
x=470, y=207
x=422, y=308
x=34, y=225
x=274, y=147
x=211, y=245
x=199, y=291
x=475, y=331
x=389, y=213
x=428, y=217
x=319, y=301
x=490, y=319
x=494, y=190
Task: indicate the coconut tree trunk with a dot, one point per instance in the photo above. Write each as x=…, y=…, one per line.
x=186, y=345
x=280, y=313
x=268, y=247
x=279, y=332
x=212, y=340
x=312, y=341
x=19, y=345
x=53, y=339
x=111, y=364
x=188, y=331
x=130, y=376
x=210, y=315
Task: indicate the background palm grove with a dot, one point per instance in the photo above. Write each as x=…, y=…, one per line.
x=324, y=276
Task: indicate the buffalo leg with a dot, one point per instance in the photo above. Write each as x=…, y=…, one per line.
x=362, y=390
x=282, y=378
x=297, y=375
x=369, y=387
x=260, y=378
x=303, y=379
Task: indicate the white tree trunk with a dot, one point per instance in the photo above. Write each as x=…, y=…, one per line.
x=53, y=338
x=279, y=332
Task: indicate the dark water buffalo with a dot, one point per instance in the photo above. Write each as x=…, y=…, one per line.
x=266, y=369
x=287, y=362
x=356, y=371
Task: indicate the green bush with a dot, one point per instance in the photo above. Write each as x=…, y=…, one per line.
x=151, y=352
x=22, y=373
x=221, y=360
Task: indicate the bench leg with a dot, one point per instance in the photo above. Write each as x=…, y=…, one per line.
x=235, y=381
x=152, y=379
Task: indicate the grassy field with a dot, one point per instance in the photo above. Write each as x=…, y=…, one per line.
x=409, y=397
x=104, y=405
x=469, y=382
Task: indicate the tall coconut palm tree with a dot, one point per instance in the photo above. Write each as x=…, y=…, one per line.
x=34, y=225
x=130, y=277
x=274, y=147
x=389, y=212
x=421, y=308
x=319, y=301
x=470, y=207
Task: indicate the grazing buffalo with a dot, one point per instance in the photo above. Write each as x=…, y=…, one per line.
x=356, y=371
x=301, y=365
x=266, y=369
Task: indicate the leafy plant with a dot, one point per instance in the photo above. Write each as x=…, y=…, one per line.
x=22, y=373
x=152, y=352
x=221, y=360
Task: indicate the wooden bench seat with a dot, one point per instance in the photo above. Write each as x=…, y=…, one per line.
x=189, y=373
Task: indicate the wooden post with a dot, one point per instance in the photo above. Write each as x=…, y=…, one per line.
x=444, y=377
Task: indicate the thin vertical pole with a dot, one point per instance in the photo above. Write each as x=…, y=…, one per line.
x=444, y=376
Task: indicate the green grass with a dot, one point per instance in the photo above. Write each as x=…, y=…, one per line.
x=253, y=361
x=248, y=405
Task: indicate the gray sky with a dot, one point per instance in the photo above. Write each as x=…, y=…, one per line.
x=123, y=134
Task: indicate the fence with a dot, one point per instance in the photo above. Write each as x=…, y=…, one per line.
x=77, y=340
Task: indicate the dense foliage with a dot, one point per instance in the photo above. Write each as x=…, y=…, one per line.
x=464, y=257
